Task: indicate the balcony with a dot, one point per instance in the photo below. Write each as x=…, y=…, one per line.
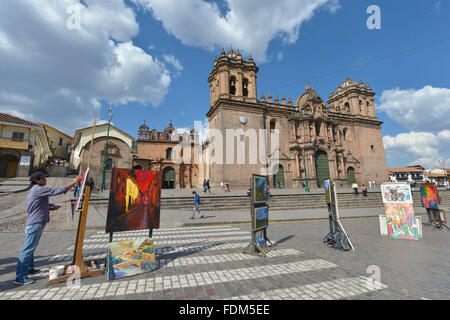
x=10, y=143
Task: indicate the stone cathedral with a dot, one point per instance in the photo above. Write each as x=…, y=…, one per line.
x=338, y=139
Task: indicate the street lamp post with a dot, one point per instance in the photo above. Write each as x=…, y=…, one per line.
x=106, y=149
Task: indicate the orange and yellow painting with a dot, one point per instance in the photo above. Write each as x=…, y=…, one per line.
x=134, y=200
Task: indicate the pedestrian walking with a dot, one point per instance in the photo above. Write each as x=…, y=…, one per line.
x=204, y=186
x=208, y=187
x=196, y=206
x=373, y=183
x=370, y=184
x=38, y=209
x=355, y=188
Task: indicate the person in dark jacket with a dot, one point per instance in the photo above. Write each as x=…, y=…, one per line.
x=38, y=210
x=208, y=187
x=196, y=205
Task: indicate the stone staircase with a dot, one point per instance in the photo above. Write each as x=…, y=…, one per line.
x=283, y=202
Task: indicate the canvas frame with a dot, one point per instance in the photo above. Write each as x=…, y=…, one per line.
x=79, y=202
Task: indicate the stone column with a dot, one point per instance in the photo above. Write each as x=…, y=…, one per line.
x=297, y=166
x=240, y=81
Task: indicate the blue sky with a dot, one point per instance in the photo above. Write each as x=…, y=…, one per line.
x=405, y=62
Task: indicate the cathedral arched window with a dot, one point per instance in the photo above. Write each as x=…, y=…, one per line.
x=347, y=107
x=245, y=88
x=232, y=85
x=273, y=124
x=169, y=153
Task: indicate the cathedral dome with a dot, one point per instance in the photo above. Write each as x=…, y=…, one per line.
x=143, y=127
x=309, y=96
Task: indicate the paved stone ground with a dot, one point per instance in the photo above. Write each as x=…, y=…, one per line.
x=207, y=263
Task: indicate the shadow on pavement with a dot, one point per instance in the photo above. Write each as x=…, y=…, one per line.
x=283, y=240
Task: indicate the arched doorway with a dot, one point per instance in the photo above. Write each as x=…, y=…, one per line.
x=168, y=177
x=322, y=168
x=8, y=165
x=278, y=177
x=351, y=177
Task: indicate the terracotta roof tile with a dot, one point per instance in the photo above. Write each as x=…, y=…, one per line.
x=5, y=117
x=405, y=170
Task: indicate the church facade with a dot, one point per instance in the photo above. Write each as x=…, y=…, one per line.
x=339, y=139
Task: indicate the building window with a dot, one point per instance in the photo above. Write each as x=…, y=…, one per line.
x=169, y=153
x=109, y=164
x=245, y=88
x=232, y=85
x=272, y=125
x=372, y=147
x=17, y=136
x=60, y=141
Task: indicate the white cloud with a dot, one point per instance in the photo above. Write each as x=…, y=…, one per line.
x=430, y=162
x=247, y=25
x=57, y=75
x=280, y=56
x=425, y=146
x=174, y=62
x=412, y=144
x=426, y=109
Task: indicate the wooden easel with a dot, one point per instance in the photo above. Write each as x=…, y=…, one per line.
x=87, y=268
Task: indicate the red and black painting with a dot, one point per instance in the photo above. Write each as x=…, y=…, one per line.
x=134, y=200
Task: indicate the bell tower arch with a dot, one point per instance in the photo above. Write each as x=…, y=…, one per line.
x=233, y=78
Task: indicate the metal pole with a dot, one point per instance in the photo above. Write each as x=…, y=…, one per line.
x=106, y=150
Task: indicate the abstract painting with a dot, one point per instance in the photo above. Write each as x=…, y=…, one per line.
x=401, y=222
x=260, y=189
x=429, y=197
x=129, y=258
x=396, y=193
x=134, y=200
x=262, y=245
x=78, y=205
x=261, y=217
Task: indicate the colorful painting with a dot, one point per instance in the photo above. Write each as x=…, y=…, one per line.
x=429, y=197
x=129, y=258
x=262, y=245
x=134, y=200
x=261, y=217
x=401, y=222
x=396, y=193
x=260, y=188
x=79, y=203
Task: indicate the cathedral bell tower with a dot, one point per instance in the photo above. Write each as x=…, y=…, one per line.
x=233, y=78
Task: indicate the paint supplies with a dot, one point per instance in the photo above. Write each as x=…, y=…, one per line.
x=56, y=272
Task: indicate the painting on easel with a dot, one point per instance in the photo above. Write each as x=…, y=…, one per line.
x=134, y=200
x=129, y=258
x=79, y=203
x=429, y=197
